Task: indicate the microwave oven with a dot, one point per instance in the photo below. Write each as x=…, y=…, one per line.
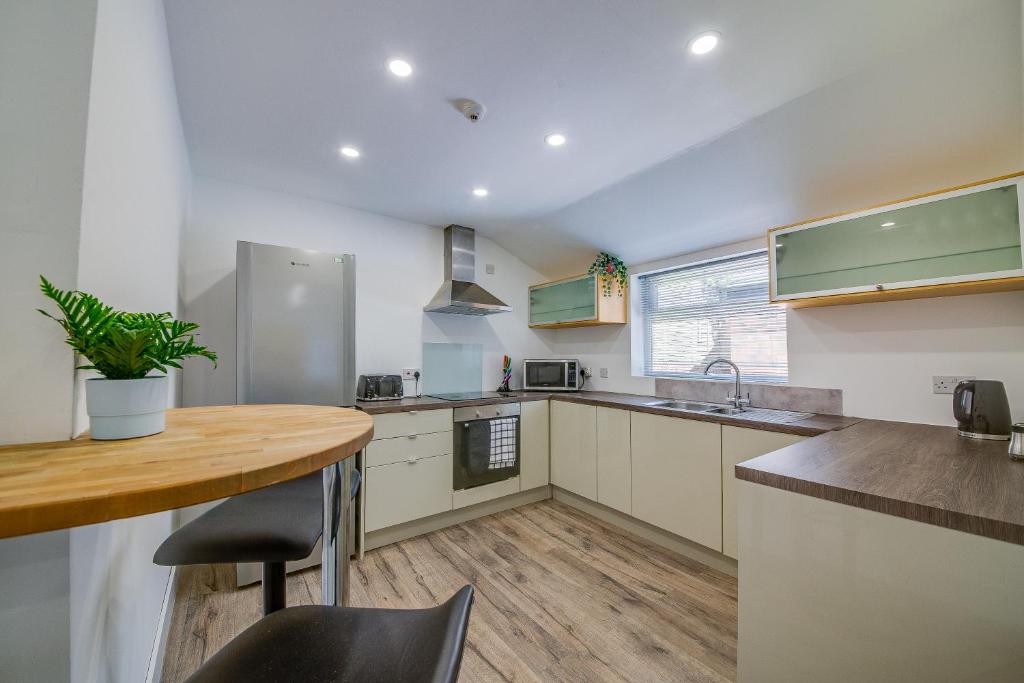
x=552, y=375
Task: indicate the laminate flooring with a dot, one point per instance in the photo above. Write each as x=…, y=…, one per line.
x=560, y=596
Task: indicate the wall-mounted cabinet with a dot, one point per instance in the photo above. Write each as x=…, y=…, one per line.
x=958, y=241
x=577, y=301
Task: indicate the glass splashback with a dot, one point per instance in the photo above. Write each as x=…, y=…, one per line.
x=959, y=236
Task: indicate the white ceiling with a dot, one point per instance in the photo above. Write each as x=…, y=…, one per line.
x=269, y=89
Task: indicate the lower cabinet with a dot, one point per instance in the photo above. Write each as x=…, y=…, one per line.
x=677, y=476
x=739, y=444
x=408, y=490
x=534, y=444
x=613, y=459
x=574, y=448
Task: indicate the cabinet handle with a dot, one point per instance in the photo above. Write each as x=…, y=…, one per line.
x=879, y=287
x=412, y=436
x=411, y=412
x=412, y=461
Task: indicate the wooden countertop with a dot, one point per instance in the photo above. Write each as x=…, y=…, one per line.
x=925, y=473
x=205, y=454
x=812, y=426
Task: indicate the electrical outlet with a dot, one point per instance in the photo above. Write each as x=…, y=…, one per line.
x=588, y=372
x=603, y=373
x=944, y=384
x=409, y=373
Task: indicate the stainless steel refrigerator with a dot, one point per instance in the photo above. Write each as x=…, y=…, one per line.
x=295, y=317
x=295, y=336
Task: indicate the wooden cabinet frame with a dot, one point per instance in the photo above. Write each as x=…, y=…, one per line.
x=915, y=289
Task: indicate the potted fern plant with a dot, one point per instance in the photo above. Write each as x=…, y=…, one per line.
x=125, y=348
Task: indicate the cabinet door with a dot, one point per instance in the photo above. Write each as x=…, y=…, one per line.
x=574, y=448
x=405, y=491
x=677, y=476
x=740, y=444
x=958, y=236
x=613, y=461
x=565, y=301
x=534, y=446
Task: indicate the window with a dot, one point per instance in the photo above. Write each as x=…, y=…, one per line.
x=714, y=309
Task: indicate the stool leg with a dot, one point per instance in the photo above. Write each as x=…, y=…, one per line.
x=334, y=564
x=274, y=597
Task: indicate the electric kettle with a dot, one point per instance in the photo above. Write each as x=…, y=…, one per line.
x=981, y=409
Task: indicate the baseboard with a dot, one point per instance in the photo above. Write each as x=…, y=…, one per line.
x=653, y=534
x=401, y=532
x=163, y=631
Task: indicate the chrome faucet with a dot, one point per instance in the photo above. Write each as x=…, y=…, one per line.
x=735, y=399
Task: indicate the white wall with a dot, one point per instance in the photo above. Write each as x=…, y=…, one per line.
x=399, y=267
x=134, y=208
x=45, y=55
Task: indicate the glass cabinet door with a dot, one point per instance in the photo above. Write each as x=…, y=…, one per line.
x=967, y=235
x=566, y=301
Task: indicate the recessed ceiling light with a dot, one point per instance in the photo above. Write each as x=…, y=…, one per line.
x=480, y=192
x=888, y=224
x=555, y=139
x=350, y=152
x=400, y=67
x=704, y=42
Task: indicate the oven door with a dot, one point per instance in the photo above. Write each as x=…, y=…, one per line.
x=545, y=374
x=486, y=445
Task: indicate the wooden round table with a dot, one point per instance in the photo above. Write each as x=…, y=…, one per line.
x=204, y=454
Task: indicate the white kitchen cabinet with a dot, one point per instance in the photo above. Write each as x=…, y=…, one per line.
x=574, y=448
x=677, y=476
x=739, y=444
x=389, y=425
x=613, y=459
x=408, y=490
x=416, y=446
x=534, y=444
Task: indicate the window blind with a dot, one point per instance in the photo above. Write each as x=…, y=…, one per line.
x=714, y=309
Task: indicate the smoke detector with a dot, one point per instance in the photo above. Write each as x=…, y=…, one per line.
x=471, y=109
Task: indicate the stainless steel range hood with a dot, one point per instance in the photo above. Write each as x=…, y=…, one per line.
x=459, y=293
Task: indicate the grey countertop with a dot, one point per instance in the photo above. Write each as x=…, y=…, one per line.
x=811, y=426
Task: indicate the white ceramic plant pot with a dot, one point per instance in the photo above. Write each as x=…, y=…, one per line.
x=126, y=408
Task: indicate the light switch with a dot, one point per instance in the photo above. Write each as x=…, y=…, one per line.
x=944, y=384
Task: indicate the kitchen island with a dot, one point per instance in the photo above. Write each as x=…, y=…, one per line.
x=885, y=551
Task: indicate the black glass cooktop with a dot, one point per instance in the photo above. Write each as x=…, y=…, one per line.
x=470, y=395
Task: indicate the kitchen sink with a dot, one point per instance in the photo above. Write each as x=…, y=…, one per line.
x=755, y=414
x=692, y=406
x=727, y=411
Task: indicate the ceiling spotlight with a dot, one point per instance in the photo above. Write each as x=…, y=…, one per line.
x=705, y=42
x=480, y=192
x=400, y=67
x=555, y=139
x=350, y=152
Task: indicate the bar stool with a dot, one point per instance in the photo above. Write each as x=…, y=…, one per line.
x=317, y=644
x=272, y=525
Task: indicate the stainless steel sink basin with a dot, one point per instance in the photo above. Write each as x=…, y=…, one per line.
x=692, y=406
x=755, y=414
x=727, y=411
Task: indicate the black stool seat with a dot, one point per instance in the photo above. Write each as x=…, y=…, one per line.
x=274, y=524
x=338, y=644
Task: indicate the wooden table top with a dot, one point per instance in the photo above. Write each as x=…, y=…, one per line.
x=925, y=473
x=204, y=454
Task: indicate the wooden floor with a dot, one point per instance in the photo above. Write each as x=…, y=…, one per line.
x=560, y=596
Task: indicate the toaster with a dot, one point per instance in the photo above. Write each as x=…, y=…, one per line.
x=379, y=387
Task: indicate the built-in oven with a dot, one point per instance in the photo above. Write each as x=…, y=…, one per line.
x=552, y=375
x=486, y=445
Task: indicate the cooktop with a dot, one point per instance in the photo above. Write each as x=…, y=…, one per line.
x=470, y=395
